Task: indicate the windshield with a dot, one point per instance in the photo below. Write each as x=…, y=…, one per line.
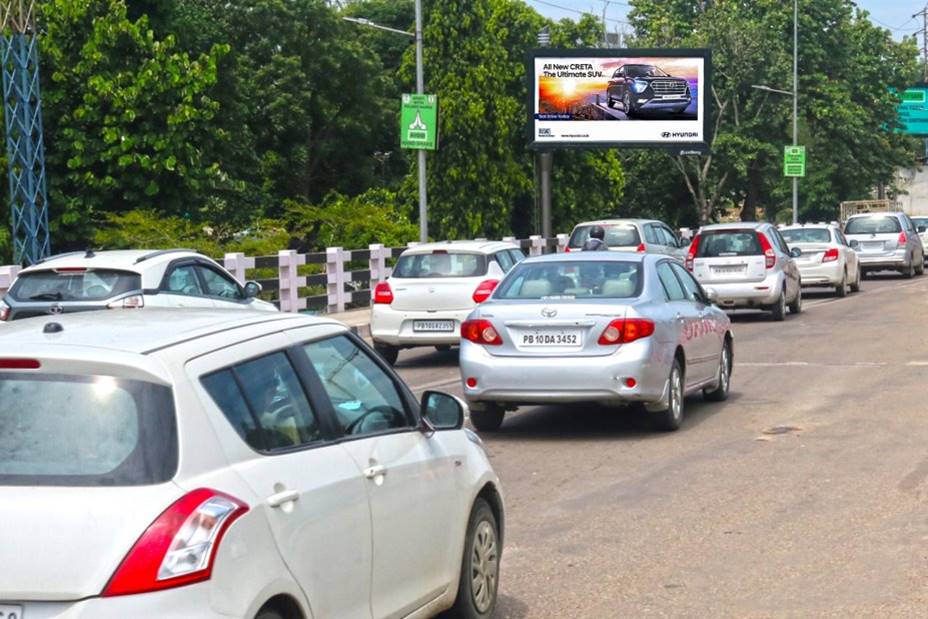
x=872, y=224
x=572, y=279
x=644, y=70
x=806, y=235
x=58, y=430
x=725, y=243
x=441, y=263
x=89, y=285
x=622, y=235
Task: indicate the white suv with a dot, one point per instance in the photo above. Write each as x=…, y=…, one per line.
x=432, y=290
x=202, y=463
x=120, y=279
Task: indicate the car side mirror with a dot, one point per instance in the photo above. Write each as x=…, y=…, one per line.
x=922, y=229
x=442, y=411
x=854, y=244
x=795, y=252
x=712, y=294
x=252, y=289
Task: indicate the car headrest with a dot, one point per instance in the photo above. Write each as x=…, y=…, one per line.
x=618, y=288
x=536, y=288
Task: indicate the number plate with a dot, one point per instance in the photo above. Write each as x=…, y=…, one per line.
x=872, y=246
x=441, y=326
x=566, y=339
x=735, y=268
x=10, y=611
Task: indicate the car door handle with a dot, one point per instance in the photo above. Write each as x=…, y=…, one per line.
x=281, y=498
x=375, y=470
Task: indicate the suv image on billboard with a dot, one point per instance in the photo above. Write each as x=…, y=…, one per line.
x=646, y=88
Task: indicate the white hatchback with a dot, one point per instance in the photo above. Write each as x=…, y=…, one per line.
x=432, y=290
x=198, y=463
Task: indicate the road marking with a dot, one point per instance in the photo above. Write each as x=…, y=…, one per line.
x=787, y=364
x=438, y=383
x=917, y=364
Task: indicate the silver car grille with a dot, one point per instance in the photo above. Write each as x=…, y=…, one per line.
x=669, y=87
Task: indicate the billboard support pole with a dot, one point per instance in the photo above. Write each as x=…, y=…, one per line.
x=795, y=103
x=420, y=89
x=546, y=159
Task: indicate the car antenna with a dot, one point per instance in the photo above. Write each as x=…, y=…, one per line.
x=89, y=253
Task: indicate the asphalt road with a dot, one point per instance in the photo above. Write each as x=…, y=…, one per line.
x=804, y=495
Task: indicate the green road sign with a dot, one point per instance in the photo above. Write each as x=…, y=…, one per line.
x=419, y=122
x=794, y=161
x=913, y=111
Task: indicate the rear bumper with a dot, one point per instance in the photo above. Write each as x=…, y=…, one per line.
x=822, y=274
x=897, y=259
x=554, y=379
x=748, y=294
x=395, y=327
x=178, y=603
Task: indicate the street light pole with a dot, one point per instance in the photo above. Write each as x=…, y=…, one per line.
x=795, y=103
x=420, y=89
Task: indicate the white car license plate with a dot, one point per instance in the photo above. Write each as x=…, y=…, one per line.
x=551, y=338
x=734, y=268
x=10, y=611
x=872, y=246
x=442, y=326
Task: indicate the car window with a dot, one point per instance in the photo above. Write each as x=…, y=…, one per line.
x=504, y=260
x=219, y=285
x=690, y=286
x=872, y=224
x=365, y=398
x=79, y=285
x=567, y=280
x=621, y=235
x=650, y=234
x=669, y=281
x=517, y=256
x=840, y=237
x=807, y=235
x=779, y=241
x=183, y=280
x=269, y=390
x=441, y=263
x=920, y=221
x=725, y=243
x=667, y=237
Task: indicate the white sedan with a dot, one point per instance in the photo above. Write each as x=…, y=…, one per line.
x=432, y=290
x=826, y=259
x=206, y=463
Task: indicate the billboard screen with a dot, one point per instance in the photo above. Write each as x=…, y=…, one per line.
x=619, y=98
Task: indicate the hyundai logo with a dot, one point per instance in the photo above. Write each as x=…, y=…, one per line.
x=665, y=134
x=549, y=312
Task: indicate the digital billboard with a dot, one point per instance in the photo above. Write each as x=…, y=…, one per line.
x=619, y=98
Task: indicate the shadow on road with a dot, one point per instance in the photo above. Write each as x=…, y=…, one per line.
x=427, y=358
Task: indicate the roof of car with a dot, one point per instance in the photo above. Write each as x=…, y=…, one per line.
x=809, y=225
x=738, y=225
x=124, y=259
x=878, y=213
x=138, y=331
x=467, y=246
x=613, y=222
x=592, y=256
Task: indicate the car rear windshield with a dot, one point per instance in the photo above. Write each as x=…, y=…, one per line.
x=872, y=224
x=600, y=279
x=920, y=221
x=807, y=235
x=441, y=264
x=61, y=285
x=725, y=243
x=62, y=430
x=616, y=236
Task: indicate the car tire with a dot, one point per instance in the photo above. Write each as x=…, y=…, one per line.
x=909, y=271
x=778, y=309
x=489, y=418
x=389, y=353
x=920, y=269
x=841, y=289
x=443, y=347
x=627, y=105
x=855, y=287
x=796, y=306
x=720, y=393
x=479, y=581
x=669, y=419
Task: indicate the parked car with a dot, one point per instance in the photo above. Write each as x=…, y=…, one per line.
x=646, y=88
x=921, y=226
x=749, y=265
x=203, y=463
x=638, y=235
x=595, y=327
x=432, y=290
x=826, y=259
x=83, y=281
x=886, y=242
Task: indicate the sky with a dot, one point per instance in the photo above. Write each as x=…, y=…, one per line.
x=893, y=14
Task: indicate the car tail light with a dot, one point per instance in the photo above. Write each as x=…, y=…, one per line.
x=136, y=301
x=903, y=239
x=383, y=293
x=641, y=248
x=770, y=256
x=480, y=331
x=179, y=547
x=691, y=256
x=19, y=364
x=625, y=330
x=567, y=249
x=4, y=311
x=831, y=255
x=71, y=270
x=484, y=290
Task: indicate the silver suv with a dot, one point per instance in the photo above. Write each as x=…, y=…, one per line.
x=747, y=265
x=886, y=242
x=650, y=236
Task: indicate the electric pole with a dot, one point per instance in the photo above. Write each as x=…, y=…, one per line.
x=924, y=15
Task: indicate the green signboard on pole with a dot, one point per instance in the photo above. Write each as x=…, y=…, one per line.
x=794, y=161
x=419, y=122
x=913, y=110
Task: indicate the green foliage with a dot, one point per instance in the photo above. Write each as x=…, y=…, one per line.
x=350, y=222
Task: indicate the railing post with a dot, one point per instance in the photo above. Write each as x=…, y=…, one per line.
x=237, y=264
x=7, y=275
x=562, y=240
x=289, y=280
x=335, y=279
x=538, y=245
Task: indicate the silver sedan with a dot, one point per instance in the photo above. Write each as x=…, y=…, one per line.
x=595, y=327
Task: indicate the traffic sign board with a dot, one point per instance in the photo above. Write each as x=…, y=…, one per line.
x=794, y=161
x=419, y=122
x=913, y=110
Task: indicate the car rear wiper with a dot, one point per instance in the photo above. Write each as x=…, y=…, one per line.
x=46, y=296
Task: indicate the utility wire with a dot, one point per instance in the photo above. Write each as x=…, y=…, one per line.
x=578, y=11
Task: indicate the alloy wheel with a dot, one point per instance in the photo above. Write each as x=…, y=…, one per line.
x=724, y=371
x=484, y=566
x=676, y=395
